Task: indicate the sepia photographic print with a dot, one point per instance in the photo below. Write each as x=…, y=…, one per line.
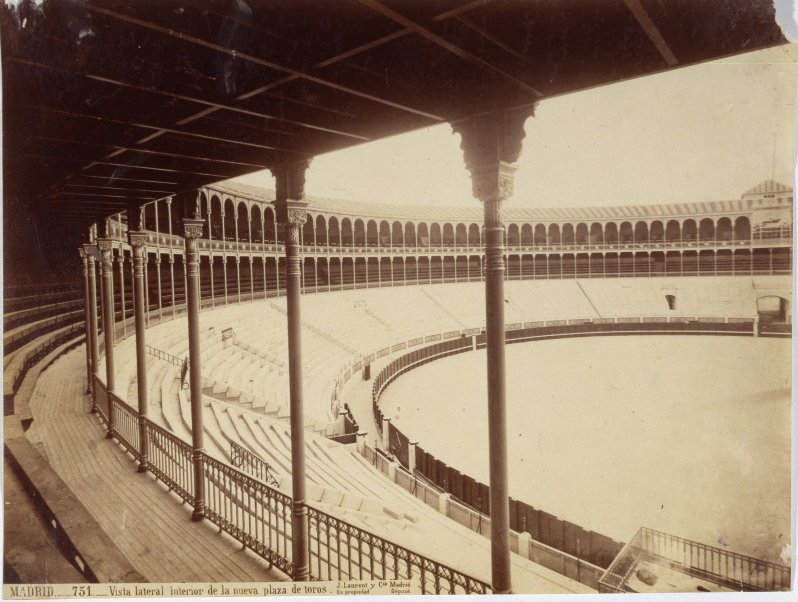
x=379, y=297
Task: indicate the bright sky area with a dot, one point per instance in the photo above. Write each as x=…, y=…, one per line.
x=701, y=133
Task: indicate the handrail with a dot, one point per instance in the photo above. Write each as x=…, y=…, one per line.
x=733, y=570
x=252, y=464
x=163, y=355
x=259, y=516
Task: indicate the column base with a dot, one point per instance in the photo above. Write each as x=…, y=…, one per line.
x=110, y=434
x=143, y=467
x=198, y=514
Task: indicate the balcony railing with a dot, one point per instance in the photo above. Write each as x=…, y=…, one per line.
x=259, y=516
x=165, y=241
x=716, y=565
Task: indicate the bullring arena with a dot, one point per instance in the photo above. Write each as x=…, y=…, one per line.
x=686, y=436
x=215, y=388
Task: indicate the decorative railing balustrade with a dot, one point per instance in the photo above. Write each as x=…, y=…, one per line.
x=343, y=552
x=159, y=241
x=163, y=355
x=259, y=515
x=729, y=569
x=252, y=464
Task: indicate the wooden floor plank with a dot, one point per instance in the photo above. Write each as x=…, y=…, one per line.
x=148, y=523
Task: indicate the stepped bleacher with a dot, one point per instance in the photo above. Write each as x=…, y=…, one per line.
x=245, y=383
x=37, y=319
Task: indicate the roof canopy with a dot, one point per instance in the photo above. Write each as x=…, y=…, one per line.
x=108, y=103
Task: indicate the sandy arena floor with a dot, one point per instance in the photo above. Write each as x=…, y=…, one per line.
x=686, y=434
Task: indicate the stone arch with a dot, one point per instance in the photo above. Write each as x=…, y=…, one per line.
x=473, y=234
x=423, y=235
x=334, y=227
x=641, y=232
x=581, y=234
x=460, y=235
x=626, y=234
x=568, y=234
x=706, y=229
x=372, y=239
x=385, y=233
x=347, y=236
x=397, y=232
x=554, y=237
x=216, y=218
x=527, y=236
x=447, y=235
x=673, y=231
x=657, y=232
x=242, y=221
x=724, y=230
x=269, y=226
x=229, y=219
x=435, y=235
x=689, y=230
x=742, y=228
x=596, y=233
x=359, y=233
x=611, y=233
x=321, y=230
x=410, y=234
x=256, y=218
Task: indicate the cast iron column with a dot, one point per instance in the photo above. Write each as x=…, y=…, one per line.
x=292, y=214
x=192, y=230
x=138, y=241
x=87, y=317
x=491, y=144
x=89, y=250
x=106, y=248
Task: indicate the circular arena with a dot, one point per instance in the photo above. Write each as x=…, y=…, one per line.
x=648, y=390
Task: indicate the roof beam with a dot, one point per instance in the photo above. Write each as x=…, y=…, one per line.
x=425, y=33
x=193, y=99
x=157, y=129
x=261, y=62
x=652, y=31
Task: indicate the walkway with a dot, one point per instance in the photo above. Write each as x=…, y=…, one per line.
x=149, y=525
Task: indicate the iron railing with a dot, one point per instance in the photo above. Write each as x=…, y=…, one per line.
x=729, y=569
x=252, y=464
x=170, y=460
x=259, y=516
x=163, y=355
x=126, y=425
x=340, y=551
x=254, y=513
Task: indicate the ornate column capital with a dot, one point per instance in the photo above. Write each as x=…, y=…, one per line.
x=105, y=247
x=90, y=250
x=290, y=180
x=491, y=146
x=291, y=212
x=192, y=228
x=137, y=238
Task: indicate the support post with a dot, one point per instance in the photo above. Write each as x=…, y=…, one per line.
x=90, y=250
x=192, y=230
x=138, y=241
x=87, y=317
x=491, y=144
x=292, y=214
x=106, y=249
